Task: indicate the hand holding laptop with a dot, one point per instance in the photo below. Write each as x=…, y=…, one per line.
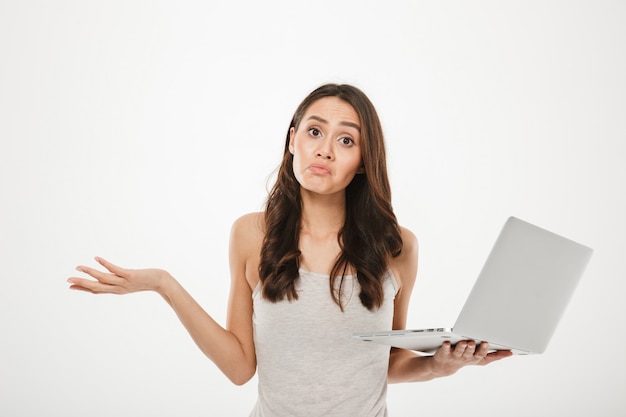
x=448, y=359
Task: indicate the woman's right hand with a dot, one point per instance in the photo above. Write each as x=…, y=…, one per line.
x=119, y=280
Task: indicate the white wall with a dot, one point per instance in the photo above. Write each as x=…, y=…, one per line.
x=139, y=131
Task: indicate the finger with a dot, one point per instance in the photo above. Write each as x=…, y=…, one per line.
x=114, y=269
x=102, y=277
x=444, y=350
x=499, y=354
x=459, y=349
x=470, y=348
x=75, y=285
x=94, y=287
x=495, y=356
x=483, y=349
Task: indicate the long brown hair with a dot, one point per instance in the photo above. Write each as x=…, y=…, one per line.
x=370, y=235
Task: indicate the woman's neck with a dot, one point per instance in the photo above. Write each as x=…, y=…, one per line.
x=322, y=215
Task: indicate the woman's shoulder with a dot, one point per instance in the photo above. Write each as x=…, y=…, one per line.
x=409, y=240
x=255, y=219
x=249, y=228
x=404, y=266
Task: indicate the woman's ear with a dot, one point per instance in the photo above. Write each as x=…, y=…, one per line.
x=292, y=133
x=361, y=169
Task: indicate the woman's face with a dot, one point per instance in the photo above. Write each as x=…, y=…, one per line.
x=326, y=146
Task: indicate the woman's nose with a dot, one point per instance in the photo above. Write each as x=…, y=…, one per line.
x=324, y=150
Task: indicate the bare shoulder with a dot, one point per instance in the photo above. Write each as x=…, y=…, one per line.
x=404, y=266
x=246, y=240
x=250, y=219
x=248, y=229
x=409, y=241
x=409, y=252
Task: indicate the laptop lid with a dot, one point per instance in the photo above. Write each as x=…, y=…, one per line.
x=518, y=298
x=524, y=287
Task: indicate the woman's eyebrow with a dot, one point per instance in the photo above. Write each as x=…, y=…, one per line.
x=343, y=123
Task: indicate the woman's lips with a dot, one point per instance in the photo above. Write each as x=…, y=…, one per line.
x=319, y=169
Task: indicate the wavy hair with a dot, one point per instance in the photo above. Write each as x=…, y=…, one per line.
x=370, y=236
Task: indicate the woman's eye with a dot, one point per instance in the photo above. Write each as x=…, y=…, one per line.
x=346, y=141
x=315, y=132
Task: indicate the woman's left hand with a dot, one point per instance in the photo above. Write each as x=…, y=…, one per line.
x=448, y=359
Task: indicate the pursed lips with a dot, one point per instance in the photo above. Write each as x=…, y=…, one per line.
x=319, y=169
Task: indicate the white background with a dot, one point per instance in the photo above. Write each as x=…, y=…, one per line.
x=138, y=131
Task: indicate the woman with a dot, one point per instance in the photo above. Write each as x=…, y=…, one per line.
x=326, y=259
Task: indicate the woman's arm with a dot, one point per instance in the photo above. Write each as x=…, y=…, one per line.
x=231, y=349
x=408, y=366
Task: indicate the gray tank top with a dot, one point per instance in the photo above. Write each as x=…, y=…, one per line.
x=309, y=364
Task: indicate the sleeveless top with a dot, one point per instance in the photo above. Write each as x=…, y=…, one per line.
x=309, y=364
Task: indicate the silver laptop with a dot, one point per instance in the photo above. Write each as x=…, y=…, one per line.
x=518, y=298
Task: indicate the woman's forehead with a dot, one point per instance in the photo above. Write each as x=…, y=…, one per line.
x=334, y=108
